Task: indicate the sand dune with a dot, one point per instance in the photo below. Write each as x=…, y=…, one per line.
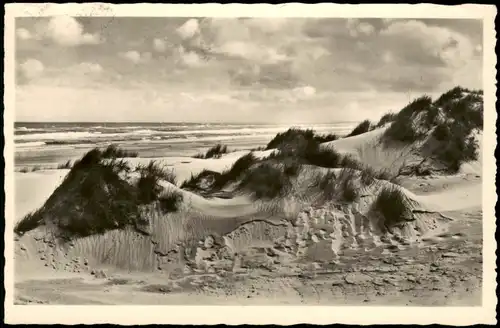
x=370, y=150
x=300, y=246
x=238, y=225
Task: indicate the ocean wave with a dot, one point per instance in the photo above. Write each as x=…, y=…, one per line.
x=30, y=144
x=73, y=135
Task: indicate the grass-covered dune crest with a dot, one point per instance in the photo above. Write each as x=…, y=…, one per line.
x=428, y=136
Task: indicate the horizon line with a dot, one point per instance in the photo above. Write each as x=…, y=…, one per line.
x=182, y=122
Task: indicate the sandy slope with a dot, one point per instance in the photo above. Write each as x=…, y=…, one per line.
x=368, y=149
x=241, y=255
x=34, y=188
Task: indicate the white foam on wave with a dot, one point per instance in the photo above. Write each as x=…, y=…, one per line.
x=30, y=144
x=58, y=136
x=61, y=136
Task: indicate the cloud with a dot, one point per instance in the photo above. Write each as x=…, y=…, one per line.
x=357, y=28
x=32, y=68
x=135, y=56
x=66, y=31
x=23, y=34
x=388, y=57
x=80, y=75
x=270, y=25
x=252, y=52
x=159, y=45
x=416, y=42
x=189, y=58
x=251, y=68
x=189, y=29
x=303, y=93
x=88, y=68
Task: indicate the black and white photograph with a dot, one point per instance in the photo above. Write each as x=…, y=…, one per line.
x=251, y=160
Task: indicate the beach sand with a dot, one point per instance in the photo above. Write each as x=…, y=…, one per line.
x=442, y=269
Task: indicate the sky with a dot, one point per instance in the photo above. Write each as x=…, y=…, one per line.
x=276, y=70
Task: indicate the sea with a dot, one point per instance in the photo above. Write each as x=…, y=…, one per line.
x=49, y=143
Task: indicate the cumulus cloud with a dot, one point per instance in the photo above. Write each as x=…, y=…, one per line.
x=32, y=68
x=189, y=29
x=304, y=92
x=357, y=28
x=23, y=34
x=189, y=58
x=132, y=55
x=417, y=42
x=89, y=68
x=270, y=25
x=251, y=51
x=135, y=56
x=67, y=31
x=159, y=45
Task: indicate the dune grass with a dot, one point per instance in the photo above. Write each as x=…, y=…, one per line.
x=213, y=152
x=450, y=96
x=265, y=181
x=403, y=128
x=361, y=128
x=239, y=167
x=326, y=137
x=170, y=201
x=29, y=222
x=291, y=136
x=294, y=137
x=457, y=145
x=195, y=179
x=66, y=165
x=309, y=151
x=93, y=197
x=450, y=120
x=113, y=151
x=33, y=169
x=148, y=184
x=386, y=118
x=463, y=112
x=349, y=161
x=326, y=183
x=368, y=176
x=292, y=167
x=341, y=186
x=220, y=180
x=393, y=205
x=456, y=142
x=348, y=190
x=260, y=148
x=312, y=153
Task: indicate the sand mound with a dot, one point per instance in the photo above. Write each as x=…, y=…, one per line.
x=369, y=149
x=425, y=137
x=415, y=158
x=206, y=235
x=475, y=167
